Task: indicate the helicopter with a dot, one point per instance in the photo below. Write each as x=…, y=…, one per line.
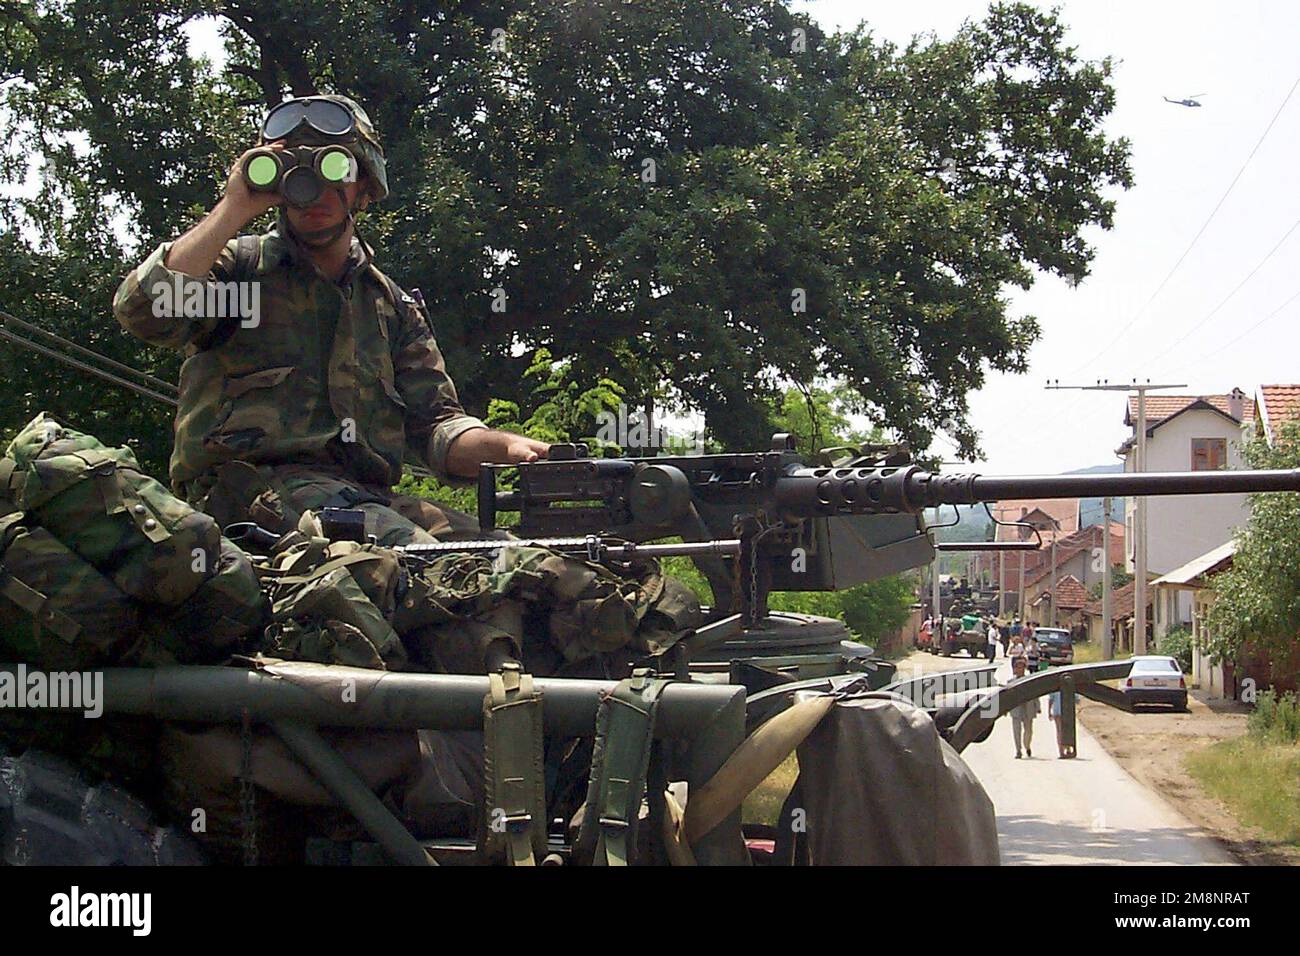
x=1188, y=101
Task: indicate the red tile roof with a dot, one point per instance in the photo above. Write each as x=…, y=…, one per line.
x=1070, y=593
x=1278, y=405
x=1160, y=407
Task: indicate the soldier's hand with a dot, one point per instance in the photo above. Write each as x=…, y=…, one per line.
x=522, y=449
x=245, y=203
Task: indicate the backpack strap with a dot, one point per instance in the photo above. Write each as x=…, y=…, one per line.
x=514, y=782
x=402, y=302
x=36, y=603
x=624, y=735
x=248, y=256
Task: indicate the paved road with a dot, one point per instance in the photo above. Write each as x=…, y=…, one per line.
x=1086, y=810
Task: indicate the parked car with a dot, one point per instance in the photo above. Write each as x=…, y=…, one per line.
x=1156, y=680
x=1054, y=645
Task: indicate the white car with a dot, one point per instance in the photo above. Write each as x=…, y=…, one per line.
x=1156, y=680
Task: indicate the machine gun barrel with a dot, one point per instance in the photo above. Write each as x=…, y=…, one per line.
x=808, y=492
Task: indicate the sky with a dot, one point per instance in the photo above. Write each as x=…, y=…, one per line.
x=1125, y=320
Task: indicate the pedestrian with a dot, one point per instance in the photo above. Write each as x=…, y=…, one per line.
x=1022, y=715
x=1054, y=714
x=1033, y=654
x=993, y=636
x=1016, y=627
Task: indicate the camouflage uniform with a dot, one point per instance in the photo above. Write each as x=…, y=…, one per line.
x=324, y=396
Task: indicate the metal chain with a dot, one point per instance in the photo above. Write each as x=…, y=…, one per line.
x=753, y=577
x=247, y=797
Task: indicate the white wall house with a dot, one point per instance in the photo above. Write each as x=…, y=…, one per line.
x=1185, y=433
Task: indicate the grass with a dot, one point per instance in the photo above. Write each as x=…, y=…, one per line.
x=1089, y=652
x=1259, y=781
x=763, y=805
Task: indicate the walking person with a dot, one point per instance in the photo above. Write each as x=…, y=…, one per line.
x=1054, y=714
x=1022, y=716
x=992, y=651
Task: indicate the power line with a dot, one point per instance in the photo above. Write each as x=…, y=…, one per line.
x=1182, y=338
x=1200, y=232
x=1220, y=349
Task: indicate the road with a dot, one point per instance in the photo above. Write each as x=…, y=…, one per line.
x=1086, y=810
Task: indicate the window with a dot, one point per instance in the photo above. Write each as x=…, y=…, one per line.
x=1209, y=454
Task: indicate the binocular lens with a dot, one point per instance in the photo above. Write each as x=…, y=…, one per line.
x=301, y=186
x=336, y=166
x=262, y=171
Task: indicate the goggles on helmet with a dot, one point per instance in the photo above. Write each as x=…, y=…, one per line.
x=324, y=116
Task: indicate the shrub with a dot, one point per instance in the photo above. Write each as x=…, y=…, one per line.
x=1178, y=645
x=1276, y=717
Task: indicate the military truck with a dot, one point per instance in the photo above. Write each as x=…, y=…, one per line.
x=305, y=762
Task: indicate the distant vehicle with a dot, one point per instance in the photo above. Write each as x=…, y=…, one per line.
x=1188, y=101
x=1054, y=645
x=1156, y=680
x=973, y=640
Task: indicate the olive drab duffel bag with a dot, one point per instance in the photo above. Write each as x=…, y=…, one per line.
x=95, y=530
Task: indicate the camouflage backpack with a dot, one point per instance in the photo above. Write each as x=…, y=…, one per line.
x=100, y=564
x=331, y=602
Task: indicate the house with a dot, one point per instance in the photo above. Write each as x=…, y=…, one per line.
x=1219, y=678
x=1193, y=578
x=1186, y=432
x=1077, y=554
x=1052, y=517
x=1122, y=601
x=1071, y=596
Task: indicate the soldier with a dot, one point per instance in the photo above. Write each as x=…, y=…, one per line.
x=314, y=400
x=313, y=397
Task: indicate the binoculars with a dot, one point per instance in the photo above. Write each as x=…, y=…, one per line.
x=299, y=173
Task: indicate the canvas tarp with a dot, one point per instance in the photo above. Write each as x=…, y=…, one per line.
x=880, y=787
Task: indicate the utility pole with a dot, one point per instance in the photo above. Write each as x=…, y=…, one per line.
x=1002, y=576
x=1108, y=641
x=1020, y=591
x=1051, y=606
x=1140, y=503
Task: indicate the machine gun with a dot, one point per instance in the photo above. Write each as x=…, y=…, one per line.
x=798, y=527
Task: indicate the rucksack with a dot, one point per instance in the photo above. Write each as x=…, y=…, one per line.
x=166, y=586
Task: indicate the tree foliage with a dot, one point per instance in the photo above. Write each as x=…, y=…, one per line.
x=657, y=187
x=1257, y=600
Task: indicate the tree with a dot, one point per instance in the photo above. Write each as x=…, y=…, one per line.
x=702, y=200
x=1257, y=600
x=1119, y=577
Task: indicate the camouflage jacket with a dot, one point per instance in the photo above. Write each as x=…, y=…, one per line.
x=318, y=373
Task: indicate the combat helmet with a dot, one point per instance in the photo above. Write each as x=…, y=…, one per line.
x=367, y=149
x=362, y=141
